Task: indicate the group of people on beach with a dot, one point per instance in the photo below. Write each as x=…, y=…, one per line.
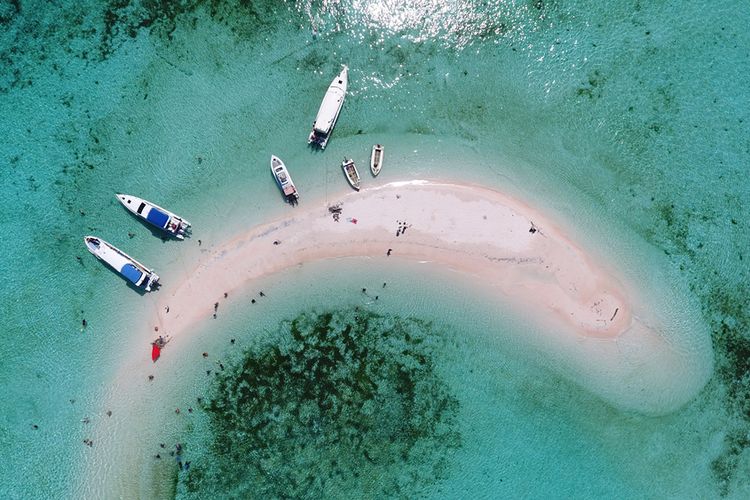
x=161, y=341
x=402, y=225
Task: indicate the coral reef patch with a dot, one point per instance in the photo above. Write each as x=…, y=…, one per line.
x=336, y=401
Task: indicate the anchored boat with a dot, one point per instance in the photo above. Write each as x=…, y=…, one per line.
x=351, y=173
x=281, y=174
x=127, y=266
x=329, y=110
x=376, y=159
x=155, y=215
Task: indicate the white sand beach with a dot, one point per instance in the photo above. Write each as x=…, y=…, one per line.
x=467, y=228
x=599, y=332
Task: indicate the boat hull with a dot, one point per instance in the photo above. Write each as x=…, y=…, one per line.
x=351, y=173
x=329, y=111
x=376, y=159
x=284, y=180
x=155, y=215
x=125, y=265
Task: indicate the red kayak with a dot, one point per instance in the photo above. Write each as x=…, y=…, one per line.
x=155, y=352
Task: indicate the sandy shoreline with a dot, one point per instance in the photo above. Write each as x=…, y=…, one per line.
x=595, y=329
x=467, y=228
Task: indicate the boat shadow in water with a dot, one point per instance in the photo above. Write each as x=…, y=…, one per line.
x=315, y=147
x=289, y=199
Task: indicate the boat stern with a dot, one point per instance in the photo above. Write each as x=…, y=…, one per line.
x=317, y=140
x=152, y=280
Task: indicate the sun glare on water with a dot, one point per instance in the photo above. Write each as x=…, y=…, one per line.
x=457, y=24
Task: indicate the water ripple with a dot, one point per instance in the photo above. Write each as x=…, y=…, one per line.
x=457, y=25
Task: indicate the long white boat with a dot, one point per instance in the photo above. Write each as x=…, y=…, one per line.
x=329, y=110
x=351, y=173
x=127, y=266
x=284, y=180
x=376, y=159
x=155, y=215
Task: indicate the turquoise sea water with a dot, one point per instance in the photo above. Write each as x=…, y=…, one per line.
x=625, y=115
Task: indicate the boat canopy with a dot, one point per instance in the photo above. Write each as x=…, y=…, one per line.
x=328, y=111
x=131, y=273
x=157, y=217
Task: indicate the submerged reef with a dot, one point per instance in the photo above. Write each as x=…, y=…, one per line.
x=335, y=401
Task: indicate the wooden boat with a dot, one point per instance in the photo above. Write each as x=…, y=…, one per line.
x=155, y=215
x=329, y=110
x=376, y=159
x=127, y=266
x=350, y=171
x=281, y=174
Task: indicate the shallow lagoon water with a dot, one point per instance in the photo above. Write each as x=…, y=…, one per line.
x=628, y=112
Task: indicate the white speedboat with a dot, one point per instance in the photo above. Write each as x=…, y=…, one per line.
x=284, y=180
x=329, y=110
x=154, y=214
x=350, y=171
x=127, y=266
x=376, y=159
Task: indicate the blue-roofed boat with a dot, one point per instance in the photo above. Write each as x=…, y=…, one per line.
x=155, y=215
x=127, y=266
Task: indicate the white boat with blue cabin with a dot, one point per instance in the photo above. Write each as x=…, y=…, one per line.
x=127, y=266
x=155, y=215
x=283, y=179
x=329, y=110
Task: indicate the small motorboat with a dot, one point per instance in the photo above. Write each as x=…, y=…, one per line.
x=281, y=174
x=376, y=159
x=127, y=266
x=155, y=215
x=350, y=171
x=329, y=110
